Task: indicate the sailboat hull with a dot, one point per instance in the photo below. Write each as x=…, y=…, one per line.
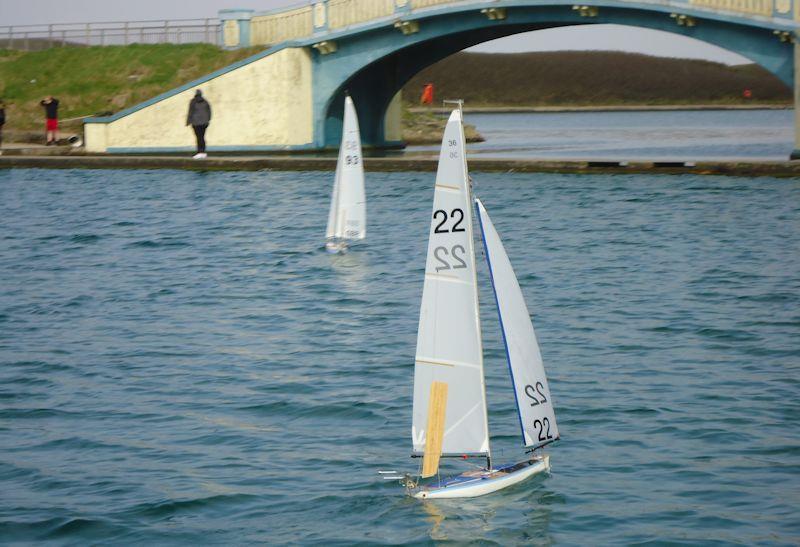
x=336, y=247
x=478, y=483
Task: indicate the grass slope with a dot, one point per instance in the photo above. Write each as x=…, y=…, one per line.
x=89, y=80
x=593, y=78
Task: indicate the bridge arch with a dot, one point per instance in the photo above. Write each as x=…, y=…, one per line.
x=373, y=63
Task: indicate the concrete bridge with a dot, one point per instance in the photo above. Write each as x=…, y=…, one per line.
x=289, y=97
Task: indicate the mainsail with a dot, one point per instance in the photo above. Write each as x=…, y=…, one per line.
x=534, y=403
x=347, y=218
x=449, y=335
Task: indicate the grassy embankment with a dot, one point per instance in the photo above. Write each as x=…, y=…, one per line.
x=91, y=80
x=596, y=79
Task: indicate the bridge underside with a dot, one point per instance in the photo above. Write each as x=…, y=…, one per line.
x=372, y=66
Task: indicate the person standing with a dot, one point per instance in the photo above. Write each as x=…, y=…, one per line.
x=50, y=105
x=2, y=123
x=199, y=117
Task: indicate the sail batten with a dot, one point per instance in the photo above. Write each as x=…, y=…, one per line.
x=449, y=347
x=531, y=391
x=347, y=218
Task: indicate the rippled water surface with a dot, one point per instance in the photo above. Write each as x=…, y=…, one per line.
x=634, y=136
x=181, y=362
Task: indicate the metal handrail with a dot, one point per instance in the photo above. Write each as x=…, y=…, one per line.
x=26, y=37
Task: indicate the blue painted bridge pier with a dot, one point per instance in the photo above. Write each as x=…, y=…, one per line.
x=290, y=96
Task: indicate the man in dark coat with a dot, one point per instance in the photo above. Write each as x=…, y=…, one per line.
x=199, y=116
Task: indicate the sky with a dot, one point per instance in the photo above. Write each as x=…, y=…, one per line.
x=585, y=37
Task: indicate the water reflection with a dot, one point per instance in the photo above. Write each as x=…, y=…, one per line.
x=351, y=268
x=503, y=515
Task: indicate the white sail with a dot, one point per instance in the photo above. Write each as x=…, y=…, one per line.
x=534, y=403
x=347, y=218
x=449, y=336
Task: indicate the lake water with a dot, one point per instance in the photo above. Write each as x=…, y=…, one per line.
x=628, y=136
x=181, y=362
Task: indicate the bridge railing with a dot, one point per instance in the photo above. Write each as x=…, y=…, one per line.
x=751, y=7
x=319, y=16
x=343, y=13
x=286, y=25
x=175, y=31
x=426, y=3
x=292, y=23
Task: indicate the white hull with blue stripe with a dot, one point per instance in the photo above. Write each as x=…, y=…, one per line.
x=478, y=483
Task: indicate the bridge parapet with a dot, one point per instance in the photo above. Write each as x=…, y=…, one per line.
x=321, y=16
x=272, y=28
x=416, y=4
x=343, y=13
x=750, y=7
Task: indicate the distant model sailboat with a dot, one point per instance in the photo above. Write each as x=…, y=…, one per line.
x=449, y=416
x=347, y=219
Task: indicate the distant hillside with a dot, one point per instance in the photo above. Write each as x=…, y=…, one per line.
x=572, y=78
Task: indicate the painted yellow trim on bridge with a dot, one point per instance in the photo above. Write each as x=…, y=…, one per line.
x=343, y=13
x=279, y=27
x=752, y=7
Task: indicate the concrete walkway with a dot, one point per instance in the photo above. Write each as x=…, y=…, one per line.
x=66, y=158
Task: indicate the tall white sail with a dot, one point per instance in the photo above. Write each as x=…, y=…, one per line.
x=535, y=406
x=449, y=336
x=347, y=218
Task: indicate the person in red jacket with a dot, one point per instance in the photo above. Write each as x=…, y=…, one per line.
x=427, y=94
x=50, y=105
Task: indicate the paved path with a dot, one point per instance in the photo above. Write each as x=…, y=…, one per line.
x=61, y=158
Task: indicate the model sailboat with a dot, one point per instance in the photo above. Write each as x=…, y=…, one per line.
x=347, y=219
x=450, y=414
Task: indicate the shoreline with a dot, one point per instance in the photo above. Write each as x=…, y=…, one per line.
x=599, y=108
x=753, y=168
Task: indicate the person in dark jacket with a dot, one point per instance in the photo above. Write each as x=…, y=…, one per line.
x=199, y=116
x=50, y=105
x=2, y=123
